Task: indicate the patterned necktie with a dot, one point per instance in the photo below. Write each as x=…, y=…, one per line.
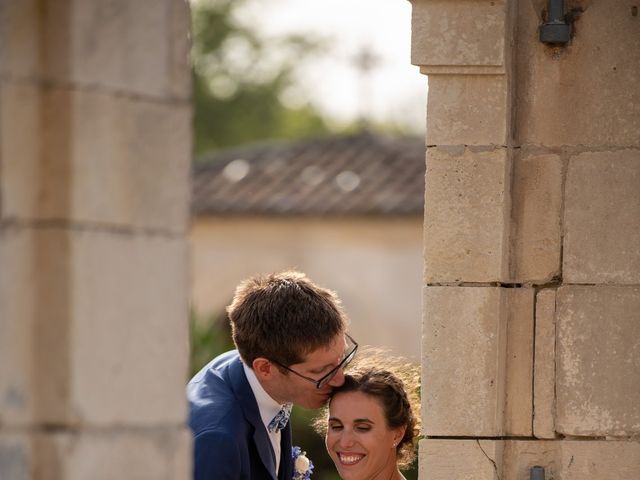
x=281, y=419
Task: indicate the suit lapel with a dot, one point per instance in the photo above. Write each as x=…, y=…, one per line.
x=247, y=401
x=286, y=462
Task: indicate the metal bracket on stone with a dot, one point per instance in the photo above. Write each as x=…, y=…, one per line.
x=537, y=473
x=558, y=27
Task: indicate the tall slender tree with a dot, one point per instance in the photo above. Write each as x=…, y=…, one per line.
x=242, y=80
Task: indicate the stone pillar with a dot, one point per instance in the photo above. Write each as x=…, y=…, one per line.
x=95, y=147
x=531, y=352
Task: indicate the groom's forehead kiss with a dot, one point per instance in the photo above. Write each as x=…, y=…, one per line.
x=309, y=382
x=322, y=364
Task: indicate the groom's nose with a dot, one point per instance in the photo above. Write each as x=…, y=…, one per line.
x=338, y=379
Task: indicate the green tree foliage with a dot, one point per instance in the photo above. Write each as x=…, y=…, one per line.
x=209, y=338
x=244, y=85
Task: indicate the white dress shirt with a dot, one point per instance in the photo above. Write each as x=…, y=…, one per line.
x=268, y=407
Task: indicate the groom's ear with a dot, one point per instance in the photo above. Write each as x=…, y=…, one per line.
x=263, y=368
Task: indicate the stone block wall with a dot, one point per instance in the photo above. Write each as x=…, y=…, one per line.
x=531, y=347
x=95, y=150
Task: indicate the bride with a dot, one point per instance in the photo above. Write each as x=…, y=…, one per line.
x=371, y=425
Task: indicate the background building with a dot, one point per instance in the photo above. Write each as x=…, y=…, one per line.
x=346, y=210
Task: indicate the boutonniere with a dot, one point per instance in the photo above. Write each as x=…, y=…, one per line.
x=302, y=466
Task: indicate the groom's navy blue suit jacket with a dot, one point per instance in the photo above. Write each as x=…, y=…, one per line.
x=230, y=440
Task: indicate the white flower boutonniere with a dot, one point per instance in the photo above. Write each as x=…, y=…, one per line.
x=302, y=466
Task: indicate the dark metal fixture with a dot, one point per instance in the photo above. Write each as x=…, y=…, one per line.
x=556, y=29
x=537, y=473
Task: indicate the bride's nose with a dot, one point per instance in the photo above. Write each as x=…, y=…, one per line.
x=346, y=439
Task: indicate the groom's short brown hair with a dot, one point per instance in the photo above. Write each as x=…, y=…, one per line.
x=283, y=316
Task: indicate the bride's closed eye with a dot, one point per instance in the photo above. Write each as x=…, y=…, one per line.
x=362, y=427
x=335, y=426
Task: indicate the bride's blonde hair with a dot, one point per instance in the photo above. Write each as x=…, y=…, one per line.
x=395, y=383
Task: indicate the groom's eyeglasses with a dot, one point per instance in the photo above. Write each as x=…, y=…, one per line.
x=351, y=348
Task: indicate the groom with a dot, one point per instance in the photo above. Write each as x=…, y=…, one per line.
x=292, y=347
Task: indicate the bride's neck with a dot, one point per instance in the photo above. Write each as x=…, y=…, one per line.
x=396, y=475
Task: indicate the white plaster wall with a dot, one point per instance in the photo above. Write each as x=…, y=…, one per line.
x=375, y=266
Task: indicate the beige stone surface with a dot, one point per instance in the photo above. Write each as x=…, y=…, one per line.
x=518, y=415
x=536, y=217
x=34, y=383
x=572, y=460
x=467, y=362
x=19, y=45
x=179, y=49
x=110, y=311
x=16, y=312
x=99, y=159
x=154, y=453
x=520, y=456
x=135, y=47
x=464, y=32
x=94, y=196
x=561, y=92
x=466, y=215
x=467, y=110
x=463, y=361
x=598, y=361
x=139, y=47
x=544, y=369
x=126, y=46
x=602, y=218
x=21, y=111
x=599, y=460
x=16, y=456
x=161, y=453
x=562, y=460
x=130, y=326
x=15, y=358
x=460, y=459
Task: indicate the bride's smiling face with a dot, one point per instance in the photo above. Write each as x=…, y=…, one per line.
x=358, y=439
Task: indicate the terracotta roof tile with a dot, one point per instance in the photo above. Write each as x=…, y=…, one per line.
x=360, y=174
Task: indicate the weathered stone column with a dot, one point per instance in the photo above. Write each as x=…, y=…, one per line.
x=95, y=160
x=532, y=241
